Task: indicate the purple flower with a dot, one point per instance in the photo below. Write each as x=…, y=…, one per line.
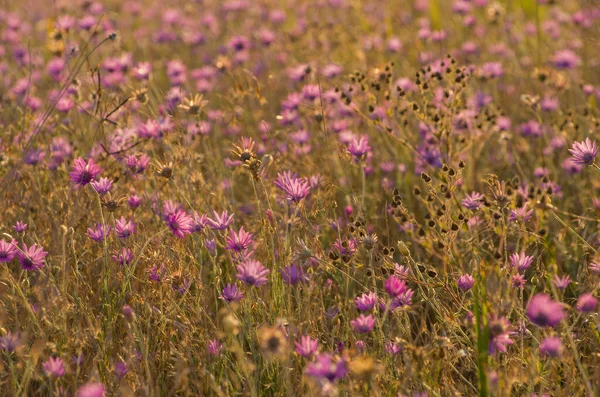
x=520, y=214
x=124, y=228
x=252, y=272
x=519, y=281
x=214, y=347
x=54, y=367
x=500, y=333
x=295, y=188
x=521, y=261
x=32, y=258
x=562, y=282
x=584, y=152
x=326, y=368
x=134, y=201
x=543, y=311
x=100, y=233
x=231, y=293
x=393, y=348
x=125, y=257
x=121, y=369
x=565, y=59
x=91, y=390
x=363, y=324
x=394, y=286
x=466, y=282
x=156, y=274
x=180, y=223
x=9, y=342
x=7, y=251
x=83, y=173
x=221, y=221
x=473, y=201
x=239, y=241
x=366, y=302
x=401, y=271
x=359, y=148
x=307, y=347
x=551, y=347
x=587, y=303
x=102, y=186
x=20, y=227
x=293, y=274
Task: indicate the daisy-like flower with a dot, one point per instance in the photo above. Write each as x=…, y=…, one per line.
x=7, y=251
x=293, y=274
x=500, y=333
x=102, y=186
x=363, y=324
x=562, y=282
x=584, y=152
x=214, y=347
x=393, y=348
x=100, y=233
x=473, y=201
x=10, y=342
x=520, y=214
x=551, y=347
x=521, y=261
x=125, y=257
x=83, y=173
x=466, y=282
x=231, y=293
x=193, y=105
x=124, y=228
x=20, y=227
x=326, y=368
x=180, y=223
x=31, y=258
x=359, y=148
x=252, y=272
x=587, y=303
x=519, y=281
x=221, y=221
x=54, y=367
x=544, y=311
x=295, y=188
x=366, y=302
x=307, y=347
x=239, y=241
x=394, y=286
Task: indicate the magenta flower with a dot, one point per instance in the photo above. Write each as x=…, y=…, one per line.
x=7, y=251
x=394, y=286
x=20, y=227
x=366, y=302
x=551, y=347
x=359, y=148
x=221, y=221
x=562, y=282
x=519, y=281
x=10, y=342
x=252, y=272
x=326, y=368
x=31, y=258
x=521, y=261
x=293, y=274
x=239, y=241
x=120, y=369
x=584, y=152
x=473, y=201
x=295, y=188
x=155, y=274
x=500, y=333
x=124, y=257
x=520, y=214
x=100, y=233
x=466, y=282
x=102, y=186
x=124, y=228
x=307, y=347
x=180, y=223
x=565, y=59
x=83, y=173
x=92, y=390
x=214, y=347
x=54, y=367
x=393, y=348
x=231, y=293
x=544, y=311
x=587, y=303
x=363, y=324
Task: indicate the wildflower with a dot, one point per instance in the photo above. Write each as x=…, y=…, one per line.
x=500, y=333
x=92, y=390
x=128, y=313
x=220, y=221
x=9, y=342
x=466, y=282
x=551, y=347
x=521, y=261
x=125, y=257
x=520, y=214
x=31, y=258
x=231, y=293
x=7, y=251
x=395, y=286
x=124, y=228
x=121, y=369
x=401, y=271
x=134, y=201
x=562, y=282
x=363, y=324
x=83, y=173
x=20, y=227
x=239, y=241
x=214, y=347
x=293, y=274
x=587, y=303
x=155, y=274
x=366, y=302
x=272, y=342
x=307, y=347
x=54, y=367
x=584, y=152
x=326, y=368
x=519, y=281
x=565, y=59
x=100, y=233
x=543, y=311
x=252, y=272
x=180, y=223
x=359, y=148
x=102, y=186
x=473, y=201
x=295, y=188
x=393, y=348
